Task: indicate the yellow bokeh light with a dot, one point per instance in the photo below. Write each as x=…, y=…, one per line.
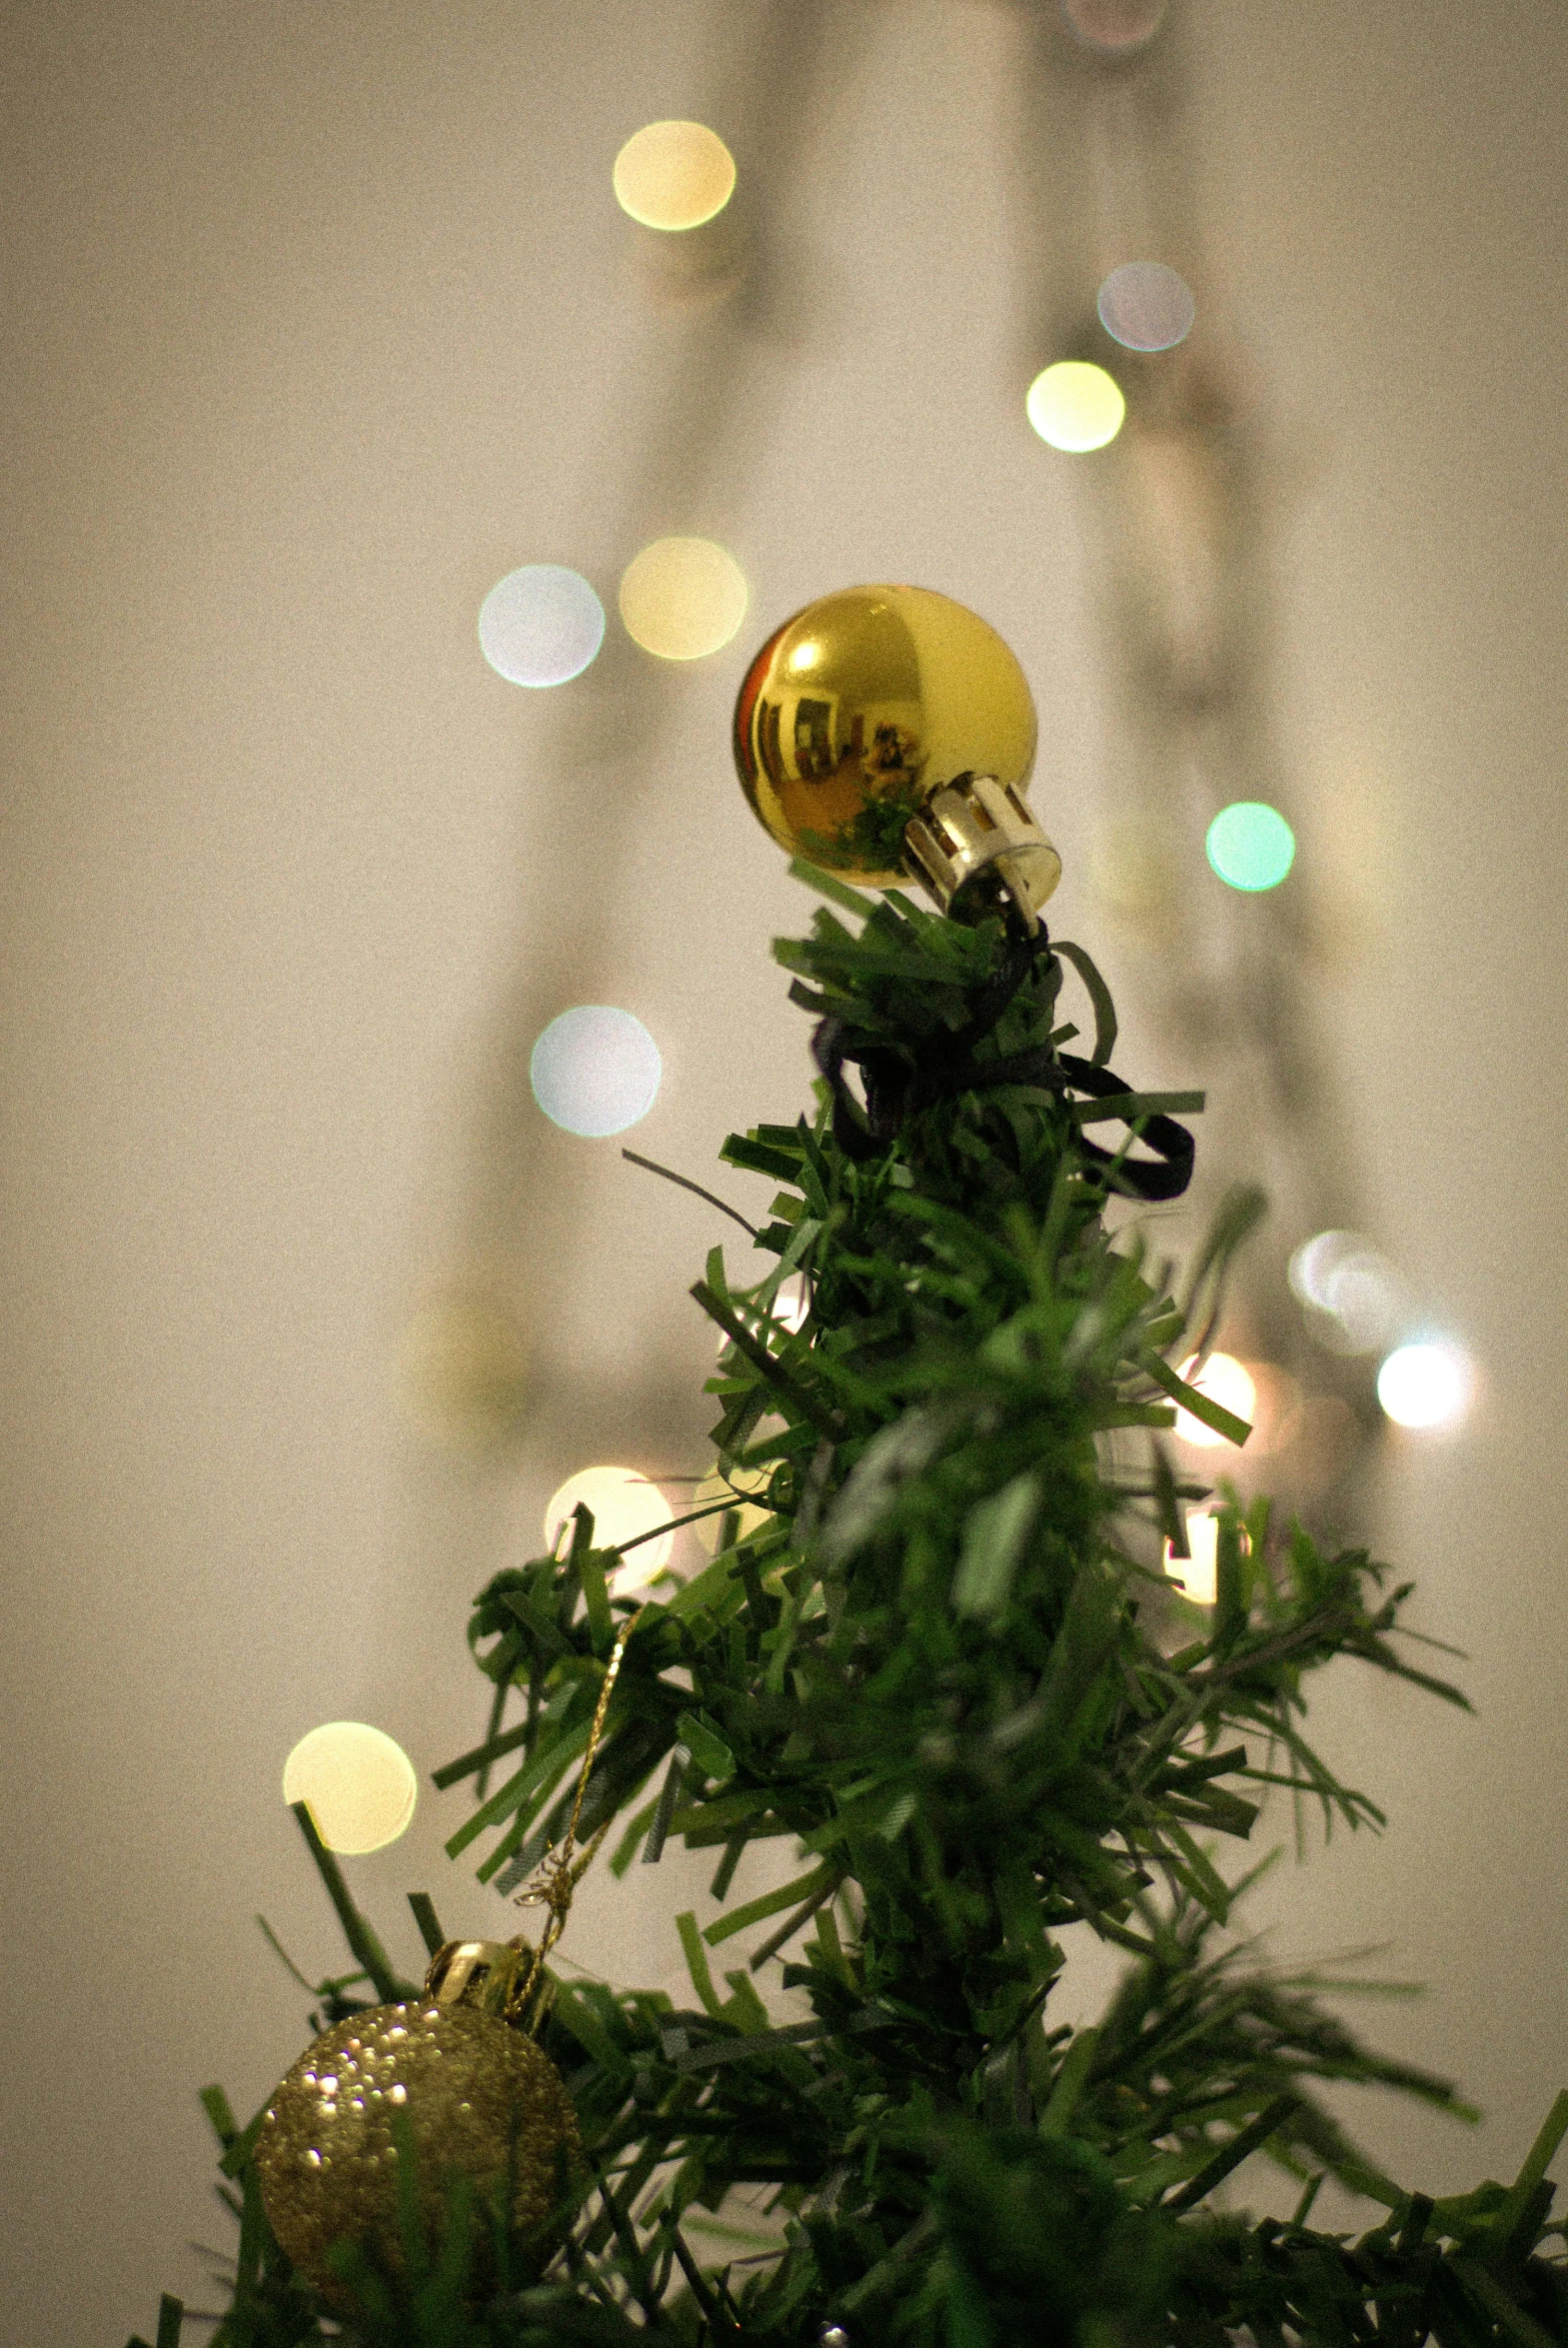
x=1225, y=1380
x=682, y=598
x=626, y=1506
x=673, y=175
x=358, y=1783
x=1198, y=1574
x=464, y=1372
x=1075, y=405
x=715, y=1487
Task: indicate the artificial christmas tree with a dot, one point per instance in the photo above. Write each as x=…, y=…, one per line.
x=942, y=1660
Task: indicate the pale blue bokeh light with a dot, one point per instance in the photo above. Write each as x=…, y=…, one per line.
x=1145, y=306
x=595, y=1070
x=541, y=625
x=1425, y=1385
x=1251, y=846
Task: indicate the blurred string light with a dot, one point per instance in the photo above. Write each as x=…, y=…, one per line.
x=1146, y=307
x=462, y=1369
x=357, y=1783
x=1117, y=132
x=1198, y=1574
x=1221, y=1380
x=791, y=1301
x=1425, y=1385
x=1251, y=846
x=673, y=175
x=682, y=598
x=1118, y=28
x=1353, y=1295
x=625, y=1507
x=541, y=625
x=1075, y=405
x=733, y=1488
x=595, y=1070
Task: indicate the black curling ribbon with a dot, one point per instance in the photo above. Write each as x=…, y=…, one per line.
x=897, y=1087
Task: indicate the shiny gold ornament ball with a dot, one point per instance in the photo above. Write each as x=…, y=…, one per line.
x=478, y=2096
x=862, y=707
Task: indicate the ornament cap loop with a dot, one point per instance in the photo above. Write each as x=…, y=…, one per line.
x=976, y=833
x=473, y=1972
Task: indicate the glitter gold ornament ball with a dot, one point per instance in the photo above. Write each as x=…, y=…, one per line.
x=479, y=2098
x=861, y=708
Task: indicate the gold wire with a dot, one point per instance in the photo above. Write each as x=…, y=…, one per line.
x=560, y=1873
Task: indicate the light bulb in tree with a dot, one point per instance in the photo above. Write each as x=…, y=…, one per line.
x=358, y=1783
x=791, y=1304
x=1426, y=1385
x=1221, y=1380
x=682, y=598
x=1198, y=1574
x=673, y=175
x=1075, y=405
x=787, y=1311
x=626, y=1507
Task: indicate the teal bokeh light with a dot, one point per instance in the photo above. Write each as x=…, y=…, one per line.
x=1251, y=846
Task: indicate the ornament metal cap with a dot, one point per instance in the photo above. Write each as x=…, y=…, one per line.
x=977, y=834
x=460, y=1970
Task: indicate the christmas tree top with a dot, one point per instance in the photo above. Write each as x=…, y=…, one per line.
x=939, y=1657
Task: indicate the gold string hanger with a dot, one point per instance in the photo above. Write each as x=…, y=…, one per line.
x=560, y=1871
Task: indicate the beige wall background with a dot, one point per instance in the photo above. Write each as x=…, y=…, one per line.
x=319, y=319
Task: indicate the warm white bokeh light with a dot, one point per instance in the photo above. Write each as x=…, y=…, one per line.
x=1199, y=1573
x=625, y=1506
x=1225, y=1380
x=673, y=175
x=358, y=1783
x=682, y=598
x=1425, y=1385
x=1075, y=405
x=715, y=1487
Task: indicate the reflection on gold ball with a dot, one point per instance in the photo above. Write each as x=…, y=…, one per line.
x=478, y=2098
x=856, y=710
